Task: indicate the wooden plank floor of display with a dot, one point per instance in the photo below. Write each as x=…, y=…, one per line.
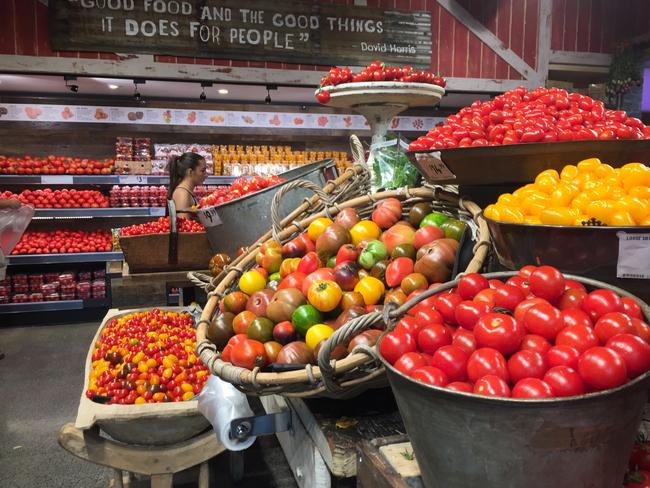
x=322, y=448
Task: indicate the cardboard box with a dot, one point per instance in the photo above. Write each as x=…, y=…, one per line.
x=133, y=167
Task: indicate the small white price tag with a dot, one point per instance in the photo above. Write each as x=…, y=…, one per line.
x=209, y=217
x=433, y=167
x=633, y=256
x=56, y=179
x=132, y=179
x=157, y=211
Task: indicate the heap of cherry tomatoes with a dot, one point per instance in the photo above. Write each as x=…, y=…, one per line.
x=63, y=241
x=540, y=115
x=54, y=165
x=66, y=198
x=146, y=357
x=639, y=475
x=538, y=335
x=240, y=187
x=161, y=226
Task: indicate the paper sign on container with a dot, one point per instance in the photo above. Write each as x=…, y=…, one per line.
x=209, y=217
x=633, y=256
x=433, y=167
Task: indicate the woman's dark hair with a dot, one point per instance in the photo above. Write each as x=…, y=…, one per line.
x=178, y=166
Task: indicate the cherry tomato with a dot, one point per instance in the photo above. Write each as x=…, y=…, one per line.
x=543, y=319
x=446, y=304
x=564, y=381
x=325, y=295
x=562, y=355
x=427, y=317
x=532, y=388
x=432, y=337
x=526, y=364
x=486, y=296
x=464, y=339
x=571, y=298
x=468, y=312
x=248, y=354
x=581, y=337
x=470, y=284
x=409, y=325
x=573, y=316
x=522, y=307
x=611, y=324
x=634, y=351
x=600, y=302
x=452, y=360
x=602, y=368
x=498, y=331
x=487, y=361
x=409, y=362
x=508, y=297
x=430, y=375
x=638, y=479
x=547, y=282
x=534, y=342
x=641, y=329
x=491, y=385
x=631, y=308
x=462, y=386
x=640, y=458
x=395, y=344
x=519, y=282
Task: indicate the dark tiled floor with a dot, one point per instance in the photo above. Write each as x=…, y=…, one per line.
x=41, y=378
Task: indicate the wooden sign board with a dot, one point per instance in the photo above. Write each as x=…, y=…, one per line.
x=266, y=30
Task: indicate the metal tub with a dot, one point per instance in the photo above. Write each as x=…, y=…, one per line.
x=239, y=222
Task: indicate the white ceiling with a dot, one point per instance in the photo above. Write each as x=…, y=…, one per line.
x=48, y=85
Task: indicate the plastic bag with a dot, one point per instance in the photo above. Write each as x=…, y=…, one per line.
x=391, y=165
x=221, y=403
x=13, y=222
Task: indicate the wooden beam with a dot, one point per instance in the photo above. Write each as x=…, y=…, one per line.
x=580, y=58
x=485, y=35
x=544, y=40
x=486, y=85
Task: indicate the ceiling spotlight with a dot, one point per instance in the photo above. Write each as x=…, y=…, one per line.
x=204, y=84
x=222, y=91
x=73, y=88
x=267, y=100
x=136, y=93
x=113, y=87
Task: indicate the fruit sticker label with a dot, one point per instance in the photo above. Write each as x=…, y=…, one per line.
x=433, y=167
x=633, y=256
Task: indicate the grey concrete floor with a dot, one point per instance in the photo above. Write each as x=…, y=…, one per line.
x=41, y=377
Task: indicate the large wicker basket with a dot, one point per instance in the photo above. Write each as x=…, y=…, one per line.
x=358, y=371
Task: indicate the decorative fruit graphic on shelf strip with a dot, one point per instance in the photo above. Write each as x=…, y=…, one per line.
x=146, y=357
x=240, y=187
x=540, y=115
x=161, y=226
x=305, y=289
x=63, y=241
x=54, y=165
x=66, y=198
x=536, y=335
x=589, y=193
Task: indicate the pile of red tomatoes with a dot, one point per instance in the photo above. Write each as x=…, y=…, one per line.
x=537, y=335
x=240, y=187
x=539, y=115
x=54, y=165
x=161, y=226
x=66, y=198
x=63, y=241
x=146, y=357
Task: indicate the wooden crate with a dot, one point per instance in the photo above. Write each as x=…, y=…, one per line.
x=133, y=167
x=150, y=252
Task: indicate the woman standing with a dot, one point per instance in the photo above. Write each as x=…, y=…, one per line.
x=186, y=172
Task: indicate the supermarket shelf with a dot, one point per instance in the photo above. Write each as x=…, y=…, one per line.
x=101, y=180
x=101, y=212
x=81, y=257
x=53, y=306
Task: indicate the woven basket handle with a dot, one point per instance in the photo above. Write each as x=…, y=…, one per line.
x=276, y=220
x=358, y=153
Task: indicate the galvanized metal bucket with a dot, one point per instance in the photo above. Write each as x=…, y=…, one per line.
x=466, y=441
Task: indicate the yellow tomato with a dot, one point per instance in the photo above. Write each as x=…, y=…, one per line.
x=583, y=178
x=316, y=333
x=581, y=201
x=188, y=395
x=511, y=214
x=636, y=207
x=640, y=192
x=645, y=221
x=508, y=199
x=546, y=183
x=317, y=227
x=569, y=172
x=551, y=173
x=371, y=289
x=580, y=219
x=597, y=190
x=529, y=219
x=557, y=216
x=617, y=193
x=140, y=400
x=601, y=210
x=634, y=166
x=535, y=204
x=364, y=230
x=251, y=281
x=563, y=194
x=492, y=212
x=621, y=219
x=524, y=191
x=588, y=165
x=635, y=177
x=324, y=295
x=604, y=170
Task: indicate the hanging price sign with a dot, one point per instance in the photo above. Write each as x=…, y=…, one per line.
x=209, y=217
x=433, y=167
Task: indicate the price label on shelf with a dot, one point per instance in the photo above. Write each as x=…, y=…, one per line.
x=209, y=217
x=56, y=179
x=157, y=211
x=633, y=256
x=133, y=179
x=433, y=167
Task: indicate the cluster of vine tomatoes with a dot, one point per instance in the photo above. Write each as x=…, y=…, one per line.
x=54, y=165
x=63, y=241
x=161, y=226
x=65, y=198
x=146, y=357
x=540, y=115
x=538, y=335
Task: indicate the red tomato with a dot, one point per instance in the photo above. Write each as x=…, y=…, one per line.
x=430, y=375
x=498, y=331
x=248, y=354
x=600, y=302
x=527, y=270
x=602, y=368
x=487, y=361
x=561, y=355
x=508, y=297
x=521, y=309
x=485, y=296
x=532, y=388
x=547, y=282
x=526, y=364
x=491, y=385
x=446, y=304
x=534, y=342
x=427, y=317
x=465, y=340
x=395, y=344
x=640, y=458
x=408, y=325
x=452, y=360
x=564, y=381
x=611, y=324
x=574, y=284
x=397, y=270
x=433, y=337
x=573, y=316
x=494, y=284
x=519, y=282
x=292, y=280
x=470, y=284
x=631, y=308
x=638, y=479
x=580, y=337
x=468, y=312
x=322, y=274
x=410, y=361
x=462, y=386
x=634, y=351
x=543, y=319
x=571, y=298
x=641, y=329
